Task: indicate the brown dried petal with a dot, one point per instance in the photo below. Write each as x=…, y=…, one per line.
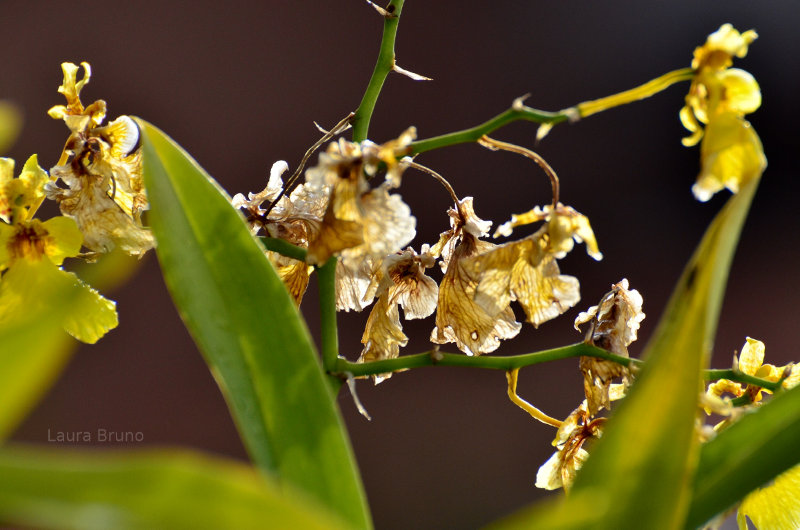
x=353, y=280
x=526, y=272
x=615, y=322
x=383, y=335
x=101, y=220
x=416, y=292
x=334, y=235
x=294, y=274
x=459, y=318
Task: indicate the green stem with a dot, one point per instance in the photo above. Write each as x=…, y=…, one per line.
x=518, y=112
x=436, y=358
x=284, y=248
x=383, y=66
x=515, y=113
x=581, y=349
x=740, y=377
x=327, y=312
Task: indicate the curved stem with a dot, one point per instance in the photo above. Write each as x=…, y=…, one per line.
x=508, y=363
x=518, y=112
x=512, y=376
x=515, y=113
x=443, y=181
x=383, y=66
x=495, y=145
x=587, y=108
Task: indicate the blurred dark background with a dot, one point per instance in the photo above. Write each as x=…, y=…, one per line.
x=239, y=85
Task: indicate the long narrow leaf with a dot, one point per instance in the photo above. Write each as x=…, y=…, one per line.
x=48, y=488
x=640, y=472
x=33, y=350
x=748, y=454
x=249, y=330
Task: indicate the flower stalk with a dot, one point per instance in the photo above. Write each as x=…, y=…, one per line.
x=519, y=112
x=383, y=66
x=513, y=362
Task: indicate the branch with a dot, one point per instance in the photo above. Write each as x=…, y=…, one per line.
x=383, y=66
x=518, y=112
x=512, y=362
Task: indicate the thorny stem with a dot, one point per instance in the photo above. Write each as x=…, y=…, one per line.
x=518, y=112
x=512, y=362
x=494, y=145
x=360, y=123
x=383, y=66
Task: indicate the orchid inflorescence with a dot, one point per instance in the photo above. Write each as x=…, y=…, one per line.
x=347, y=209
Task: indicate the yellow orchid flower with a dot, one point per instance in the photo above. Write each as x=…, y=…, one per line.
x=719, y=98
x=751, y=362
x=31, y=252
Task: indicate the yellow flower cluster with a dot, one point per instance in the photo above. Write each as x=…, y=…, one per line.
x=31, y=254
x=97, y=184
x=719, y=98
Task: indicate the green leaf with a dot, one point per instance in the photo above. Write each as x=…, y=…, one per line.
x=249, y=330
x=746, y=455
x=144, y=489
x=33, y=351
x=639, y=473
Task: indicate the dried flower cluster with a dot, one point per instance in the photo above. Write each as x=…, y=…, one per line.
x=339, y=211
x=97, y=184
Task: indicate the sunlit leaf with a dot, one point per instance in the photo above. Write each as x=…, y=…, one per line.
x=641, y=470
x=746, y=455
x=249, y=330
x=46, y=488
x=33, y=350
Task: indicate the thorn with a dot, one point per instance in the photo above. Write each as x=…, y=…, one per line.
x=412, y=75
x=382, y=11
x=351, y=384
x=518, y=103
x=542, y=131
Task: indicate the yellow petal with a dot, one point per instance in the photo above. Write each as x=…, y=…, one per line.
x=459, y=318
x=92, y=315
x=731, y=155
x=353, y=280
x=525, y=272
x=689, y=121
x=752, y=356
x=775, y=506
x=721, y=46
x=383, y=336
x=294, y=274
x=6, y=233
x=30, y=286
x=741, y=92
x=65, y=241
x=549, y=475
x=567, y=225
